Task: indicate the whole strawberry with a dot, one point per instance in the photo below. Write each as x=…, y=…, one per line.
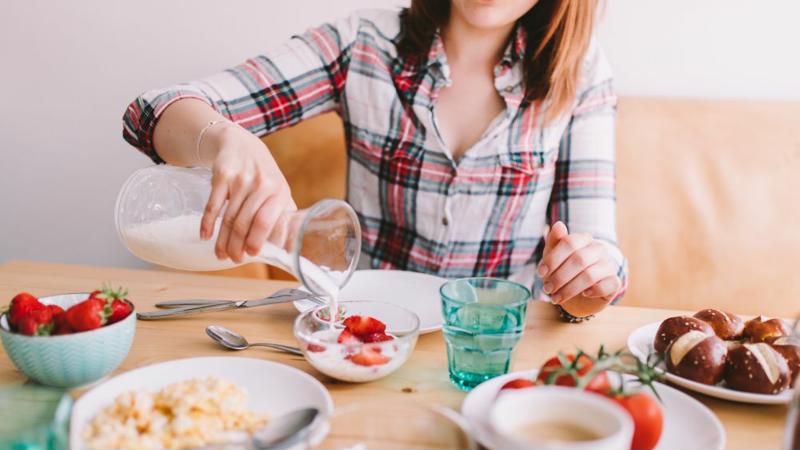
x=89, y=314
x=120, y=309
x=59, y=320
x=55, y=310
x=36, y=323
x=117, y=301
x=21, y=305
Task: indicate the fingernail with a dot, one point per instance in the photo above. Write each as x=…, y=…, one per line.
x=543, y=270
x=555, y=298
x=547, y=288
x=587, y=291
x=546, y=230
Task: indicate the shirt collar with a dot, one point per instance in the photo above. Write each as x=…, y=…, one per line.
x=516, y=46
x=410, y=66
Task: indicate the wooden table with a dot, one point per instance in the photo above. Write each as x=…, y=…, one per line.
x=422, y=379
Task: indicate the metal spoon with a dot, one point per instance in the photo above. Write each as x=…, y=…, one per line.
x=283, y=432
x=235, y=341
x=287, y=430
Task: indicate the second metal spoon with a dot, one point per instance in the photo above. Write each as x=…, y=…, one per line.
x=235, y=341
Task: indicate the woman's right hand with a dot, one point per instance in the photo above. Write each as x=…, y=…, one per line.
x=244, y=175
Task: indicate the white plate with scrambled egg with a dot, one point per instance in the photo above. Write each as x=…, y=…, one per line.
x=189, y=403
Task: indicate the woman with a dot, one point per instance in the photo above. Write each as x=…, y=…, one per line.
x=470, y=126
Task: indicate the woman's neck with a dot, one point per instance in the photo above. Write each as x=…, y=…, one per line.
x=466, y=45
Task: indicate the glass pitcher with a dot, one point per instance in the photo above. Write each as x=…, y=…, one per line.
x=158, y=214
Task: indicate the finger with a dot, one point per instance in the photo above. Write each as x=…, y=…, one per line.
x=236, y=198
x=557, y=232
x=584, y=280
x=607, y=287
x=264, y=222
x=576, y=263
x=243, y=223
x=282, y=231
x=551, y=237
x=216, y=199
x=563, y=249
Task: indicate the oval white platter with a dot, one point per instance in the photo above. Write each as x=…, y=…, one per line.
x=640, y=343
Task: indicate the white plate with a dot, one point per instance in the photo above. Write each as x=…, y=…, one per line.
x=418, y=292
x=688, y=424
x=640, y=343
x=271, y=387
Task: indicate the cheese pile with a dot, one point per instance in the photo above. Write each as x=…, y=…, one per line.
x=187, y=414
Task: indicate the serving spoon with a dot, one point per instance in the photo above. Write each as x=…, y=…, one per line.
x=281, y=433
x=235, y=341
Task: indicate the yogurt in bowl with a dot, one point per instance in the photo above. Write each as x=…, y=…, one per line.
x=373, y=340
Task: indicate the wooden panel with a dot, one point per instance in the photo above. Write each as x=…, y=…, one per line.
x=313, y=158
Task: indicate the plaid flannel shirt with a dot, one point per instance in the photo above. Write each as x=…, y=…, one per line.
x=420, y=209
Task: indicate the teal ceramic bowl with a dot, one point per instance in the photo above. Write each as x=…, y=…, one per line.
x=69, y=360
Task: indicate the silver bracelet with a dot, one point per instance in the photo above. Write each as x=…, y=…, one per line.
x=200, y=138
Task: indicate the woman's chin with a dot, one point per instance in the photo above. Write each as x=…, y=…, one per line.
x=491, y=14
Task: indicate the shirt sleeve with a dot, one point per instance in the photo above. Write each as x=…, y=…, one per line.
x=300, y=79
x=583, y=195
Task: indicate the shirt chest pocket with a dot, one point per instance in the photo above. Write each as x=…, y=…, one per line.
x=393, y=161
x=521, y=170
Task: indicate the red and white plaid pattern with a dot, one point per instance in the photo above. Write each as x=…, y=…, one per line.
x=420, y=210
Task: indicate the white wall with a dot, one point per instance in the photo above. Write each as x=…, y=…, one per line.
x=68, y=70
x=705, y=48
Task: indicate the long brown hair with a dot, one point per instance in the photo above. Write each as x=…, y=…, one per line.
x=558, y=34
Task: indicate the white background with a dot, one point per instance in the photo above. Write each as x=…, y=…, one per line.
x=69, y=69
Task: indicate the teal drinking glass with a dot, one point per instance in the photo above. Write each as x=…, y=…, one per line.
x=483, y=320
x=34, y=417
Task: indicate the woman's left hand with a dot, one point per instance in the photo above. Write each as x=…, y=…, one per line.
x=577, y=265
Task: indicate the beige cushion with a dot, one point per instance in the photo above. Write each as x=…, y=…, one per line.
x=709, y=204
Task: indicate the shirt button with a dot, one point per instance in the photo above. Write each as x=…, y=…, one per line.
x=445, y=222
x=509, y=88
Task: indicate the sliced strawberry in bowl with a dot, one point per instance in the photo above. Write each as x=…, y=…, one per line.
x=376, y=337
x=315, y=348
x=369, y=356
x=364, y=325
x=348, y=338
x=518, y=383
